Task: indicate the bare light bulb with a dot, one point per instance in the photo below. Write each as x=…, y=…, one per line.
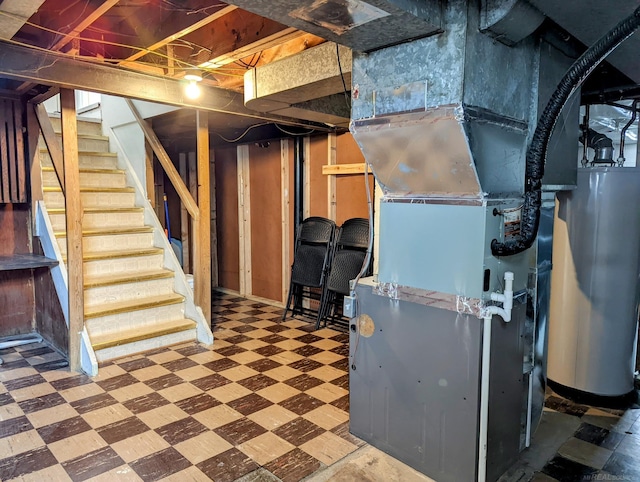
x=192, y=90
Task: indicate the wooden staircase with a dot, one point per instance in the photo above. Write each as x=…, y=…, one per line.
x=130, y=303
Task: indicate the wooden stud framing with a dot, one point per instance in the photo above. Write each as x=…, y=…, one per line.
x=202, y=258
x=184, y=217
x=163, y=157
x=286, y=223
x=73, y=211
x=244, y=220
x=214, y=216
x=341, y=169
x=306, y=193
x=331, y=180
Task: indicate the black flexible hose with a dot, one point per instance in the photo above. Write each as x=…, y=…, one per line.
x=537, y=151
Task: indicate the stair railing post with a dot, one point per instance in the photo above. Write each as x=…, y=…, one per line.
x=202, y=237
x=73, y=214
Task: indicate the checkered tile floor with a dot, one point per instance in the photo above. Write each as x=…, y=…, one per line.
x=269, y=397
x=606, y=445
x=269, y=402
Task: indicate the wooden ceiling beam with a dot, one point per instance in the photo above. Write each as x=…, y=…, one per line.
x=60, y=70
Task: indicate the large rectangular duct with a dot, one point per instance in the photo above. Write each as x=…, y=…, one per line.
x=357, y=24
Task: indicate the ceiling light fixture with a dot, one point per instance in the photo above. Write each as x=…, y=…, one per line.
x=192, y=91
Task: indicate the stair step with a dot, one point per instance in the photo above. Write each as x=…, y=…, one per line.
x=84, y=126
x=131, y=262
x=99, y=210
x=87, y=158
x=86, y=142
x=131, y=305
x=91, y=177
x=89, y=170
x=93, y=197
x=99, y=217
x=91, y=189
x=120, y=278
x=108, y=340
x=108, y=231
x=106, y=255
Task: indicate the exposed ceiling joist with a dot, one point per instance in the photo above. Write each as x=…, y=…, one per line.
x=60, y=70
x=88, y=20
x=182, y=31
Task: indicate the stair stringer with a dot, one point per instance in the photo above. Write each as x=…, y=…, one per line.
x=170, y=261
x=44, y=231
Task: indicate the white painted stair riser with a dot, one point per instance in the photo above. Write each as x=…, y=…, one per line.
x=93, y=199
x=87, y=160
x=134, y=319
x=99, y=219
x=145, y=345
x=110, y=242
x=107, y=178
x=123, y=266
x=95, y=296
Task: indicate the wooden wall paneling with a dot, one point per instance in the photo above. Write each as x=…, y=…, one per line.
x=11, y=150
x=202, y=235
x=16, y=287
x=331, y=180
x=244, y=219
x=185, y=220
x=286, y=189
x=227, y=218
x=4, y=155
x=73, y=211
x=214, y=223
x=318, y=183
x=265, y=164
x=351, y=196
x=17, y=298
x=49, y=319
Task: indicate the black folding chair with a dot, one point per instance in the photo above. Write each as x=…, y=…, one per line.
x=311, y=259
x=349, y=256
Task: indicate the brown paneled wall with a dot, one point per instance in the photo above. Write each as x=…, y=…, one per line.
x=17, y=298
x=13, y=177
x=267, y=178
x=351, y=195
x=227, y=217
x=266, y=221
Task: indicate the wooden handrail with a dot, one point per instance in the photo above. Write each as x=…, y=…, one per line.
x=165, y=161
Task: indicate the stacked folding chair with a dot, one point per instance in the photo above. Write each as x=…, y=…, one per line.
x=312, y=255
x=348, y=258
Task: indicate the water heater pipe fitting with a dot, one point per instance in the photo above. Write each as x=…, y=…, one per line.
x=506, y=298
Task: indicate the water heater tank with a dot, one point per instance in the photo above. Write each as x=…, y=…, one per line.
x=594, y=282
